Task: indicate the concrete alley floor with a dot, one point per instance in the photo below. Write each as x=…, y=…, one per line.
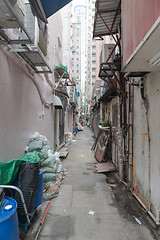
x=83, y=191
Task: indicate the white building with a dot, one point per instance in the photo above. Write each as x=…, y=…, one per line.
x=91, y=60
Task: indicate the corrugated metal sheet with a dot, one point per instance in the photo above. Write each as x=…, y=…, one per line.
x=35, y=60
x=109, y=11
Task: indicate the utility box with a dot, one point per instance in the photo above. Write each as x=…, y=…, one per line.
x=10, y=11
x=105, y=53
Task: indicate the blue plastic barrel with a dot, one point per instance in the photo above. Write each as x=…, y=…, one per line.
x=39, y=196
x=9, y=227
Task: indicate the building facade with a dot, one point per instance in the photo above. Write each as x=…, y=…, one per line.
x=134, y=111
x=28, y=83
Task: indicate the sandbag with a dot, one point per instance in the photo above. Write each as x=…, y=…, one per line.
x=35, y=145
x=49, y=177
x=46, y=169
x=49, y=162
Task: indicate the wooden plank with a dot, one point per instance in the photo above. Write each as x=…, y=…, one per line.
x=104, y=167
x=63, y=154
x=145, y=202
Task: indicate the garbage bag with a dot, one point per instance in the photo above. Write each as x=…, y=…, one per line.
x=46, y=185
x=9, y=170
x=35, y=145
x=46, y=169
x=49, y=162
x=49, y=177
x=37, y=136
x=44, y=152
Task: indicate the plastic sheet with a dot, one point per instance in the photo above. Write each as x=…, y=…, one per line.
x=9, y=170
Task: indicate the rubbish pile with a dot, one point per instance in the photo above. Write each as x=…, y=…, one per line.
x=50, y=165
x=68, y=138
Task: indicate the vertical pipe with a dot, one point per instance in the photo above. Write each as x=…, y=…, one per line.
x=133, y=135
x=129, y=134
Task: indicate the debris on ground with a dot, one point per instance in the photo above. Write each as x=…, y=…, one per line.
x=137, y=220
x=68, y=138
x=91, y=213
x=129, y=207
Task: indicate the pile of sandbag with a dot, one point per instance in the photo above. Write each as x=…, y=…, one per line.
x=50, y=165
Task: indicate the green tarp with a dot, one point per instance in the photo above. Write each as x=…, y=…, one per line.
x=9, y=170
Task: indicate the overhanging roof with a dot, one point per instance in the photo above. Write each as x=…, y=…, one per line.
x=107, y=17
x=109, y=94
x=146, y=56
x=57, y=102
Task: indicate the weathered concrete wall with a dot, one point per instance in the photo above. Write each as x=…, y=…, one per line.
x=21, y=108
x=146, y=147
x=25, y=97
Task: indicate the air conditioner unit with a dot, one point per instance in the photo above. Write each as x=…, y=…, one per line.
x=105, y=53
x=72, y=89
x=36, y=29
x=11, y=13
x=72, y=97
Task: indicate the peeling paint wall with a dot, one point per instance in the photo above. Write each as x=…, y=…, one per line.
x=146, y=147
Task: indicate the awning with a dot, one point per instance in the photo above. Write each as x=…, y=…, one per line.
x=57, y=102
x=37, y=10
x=52, y=6
x=109, y=94
x=107, y=17
x=146, y=57
x=45, y=8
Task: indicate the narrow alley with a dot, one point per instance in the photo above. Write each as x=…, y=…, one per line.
x=89, y=68
x=84, y=192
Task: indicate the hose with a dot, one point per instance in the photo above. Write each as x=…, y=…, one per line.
x=43, y=218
